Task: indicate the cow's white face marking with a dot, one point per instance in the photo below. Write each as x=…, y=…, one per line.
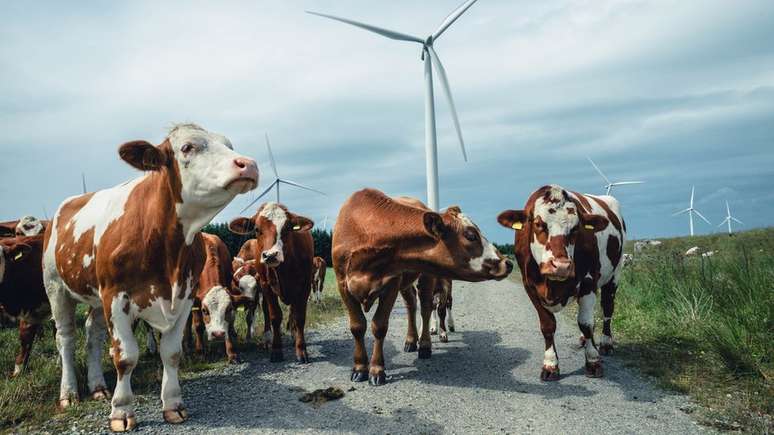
x=274, y=213
x=208, y=175
x=29, y=226
x=217, y=302
x=559, y=216
x=248, y=285
x=489, y=252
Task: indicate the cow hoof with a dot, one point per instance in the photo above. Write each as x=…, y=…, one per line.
x=606, y=349
x=443, y=337
x=359, y=376
x=100, y=393
x=124, y=424
x=377, y=379
x=410, y=347
x=276, y=356
x=425, y=352
x=582, y=342
x=433, y=331
x=303, y=358
x=549, y=374
x=594, y=369
x=176, y=416
x=233, y=360
x=65, y=403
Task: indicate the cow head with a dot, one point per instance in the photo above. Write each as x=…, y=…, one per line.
x=244, y=277
x=203, y=170
x=11, y=251
x=29, y=226
x=217, y=310
x=271, y=225
x=472, y=256
x=552, y=224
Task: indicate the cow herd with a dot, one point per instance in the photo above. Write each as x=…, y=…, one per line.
x=135, y=253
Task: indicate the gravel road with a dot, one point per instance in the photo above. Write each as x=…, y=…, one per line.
x=484, y=380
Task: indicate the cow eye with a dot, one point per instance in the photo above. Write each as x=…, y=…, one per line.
x=470, y=235
x=187, y=148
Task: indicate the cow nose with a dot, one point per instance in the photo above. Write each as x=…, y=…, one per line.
x=247, y=168
x=268, y=256
x=219, y=335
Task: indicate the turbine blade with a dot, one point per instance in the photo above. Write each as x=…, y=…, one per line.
x=736, y=220
x=623, y=183
x=681, y=212
x=598, y=170
x=381, y=31
x=449, y=99
x=728, y=210
x=271, y=157
x=293, y=183
x=723, y=222
x=692, y=190
x=268, y=189
x=452, y=17
x=701, y=216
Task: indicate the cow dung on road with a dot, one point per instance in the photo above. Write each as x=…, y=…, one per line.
x=320, y=396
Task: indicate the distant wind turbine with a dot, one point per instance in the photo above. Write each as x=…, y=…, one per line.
x=690, y=210
x=277, y=180
x=729, y=218
x=83, y=182
x=610, y=184
x=430, y=58
x=325, y=223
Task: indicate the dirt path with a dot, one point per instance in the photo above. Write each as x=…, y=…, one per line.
x=485, y=380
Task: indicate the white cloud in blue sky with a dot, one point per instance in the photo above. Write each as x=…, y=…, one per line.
x=675, y=93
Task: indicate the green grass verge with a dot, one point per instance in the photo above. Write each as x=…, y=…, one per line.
x=29, y=400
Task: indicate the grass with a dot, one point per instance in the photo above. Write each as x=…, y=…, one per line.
x=705, y=325
x=29, y=400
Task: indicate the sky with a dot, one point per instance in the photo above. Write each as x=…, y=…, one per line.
x=673, y=93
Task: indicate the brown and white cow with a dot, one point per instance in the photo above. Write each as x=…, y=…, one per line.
x=285, y=249
x=214, y=304
x=319, y=267
x=26, y=226
x=245, y=269
x=567, y=245
x=135, y=251
x=442, y=309
x=22, y=295
x=382, y=244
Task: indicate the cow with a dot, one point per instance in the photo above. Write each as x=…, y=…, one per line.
x=381, y=245
x=244, y=279
x=318, y=277
x=22, y=295
x=285, y=249
x=442, y=309
x=214, y=303
x=691, y=252
x=26, y=226
x=135, y=251
x=567, y=245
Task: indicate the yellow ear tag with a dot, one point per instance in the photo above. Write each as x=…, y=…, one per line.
x=588, y=227
x=517, y=225
x=18, y=256
x=195, y=309
x=297, y=227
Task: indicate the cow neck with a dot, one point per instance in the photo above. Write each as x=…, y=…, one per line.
x=415, y=249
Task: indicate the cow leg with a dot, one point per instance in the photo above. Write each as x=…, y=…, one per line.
x=275, y=314
x=433, y=322
x=150, y=339
x=586, y=324
x=425, y=310
x=27, y=333
x=63, y=312
x=250, y=319
x=379, y=324
x=442, y=335
x=357, y=326
x=266, y=321
x=125, y=354
x=608, y=304
x=550, y=371
x=449, y=316
x=96, y=334
x=229, y=343
x=409, y=295
x=171, y=350
x=197, y=324
x=298, y=313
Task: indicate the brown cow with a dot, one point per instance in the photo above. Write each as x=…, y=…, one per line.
x=245, y=270
x=381, y=245
x=285, y=249
x=135, y=251
x=442, y=309
x=22, y=294
x=213, y=308
x=318, y=277
x=567, y=245
x=26, y=226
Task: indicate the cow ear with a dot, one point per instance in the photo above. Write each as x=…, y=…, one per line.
x=7, y=232
x=242, y=226
x=454, y=209
x=300, y=223
x=142, y=155
x=594, y=222
x=434, y=225
x=19, y=251
x=513, y=219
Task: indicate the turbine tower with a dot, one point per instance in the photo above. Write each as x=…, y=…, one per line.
x=690, y=210
x=83, y=182
x=277, y=180
x=431, y=59
x=729, y=218
x=610, y=184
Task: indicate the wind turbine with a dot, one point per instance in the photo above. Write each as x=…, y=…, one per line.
x=430, y=58
x=610, y=184
x=83, y=182
x=277, y=180
x=729, y=218
x=690, y=210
